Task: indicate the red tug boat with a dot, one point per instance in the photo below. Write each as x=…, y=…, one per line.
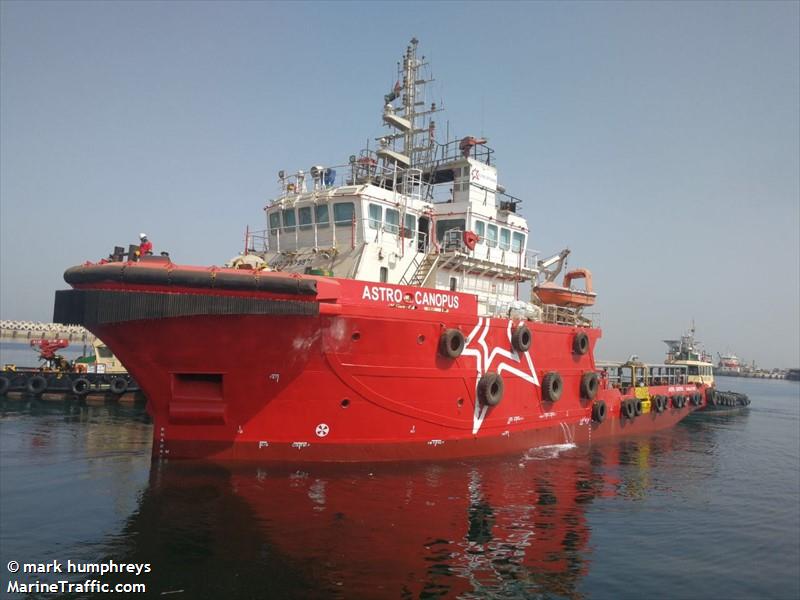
x=377, y=318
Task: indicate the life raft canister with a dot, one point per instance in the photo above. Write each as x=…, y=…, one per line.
x=470, y=239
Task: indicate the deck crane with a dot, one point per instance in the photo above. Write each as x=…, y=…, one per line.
x=557, y=262
x=47, y=353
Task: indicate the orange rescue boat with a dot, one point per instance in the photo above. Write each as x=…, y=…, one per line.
x=564, y=295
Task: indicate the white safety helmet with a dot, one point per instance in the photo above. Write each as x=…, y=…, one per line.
x=142, y=236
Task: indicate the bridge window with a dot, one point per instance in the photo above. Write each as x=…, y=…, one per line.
x=505, y=238
x=289, y=219
x=304, y=217
x=392, y=220
x=491, y=236
x=321, y=215
x=343, y=214
x=274, y=222
x=447, y=225
x=517, y=241
x=375, y=216
x=480, y=229
x=410, y=227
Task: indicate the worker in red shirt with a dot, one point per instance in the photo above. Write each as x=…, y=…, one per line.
x=145, y=245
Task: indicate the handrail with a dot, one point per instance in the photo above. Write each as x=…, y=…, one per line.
x=453, y=240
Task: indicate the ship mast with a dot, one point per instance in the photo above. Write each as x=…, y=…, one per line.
x=413, y=145
x=410, y=96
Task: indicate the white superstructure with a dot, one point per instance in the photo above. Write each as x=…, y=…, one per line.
x=411, y=212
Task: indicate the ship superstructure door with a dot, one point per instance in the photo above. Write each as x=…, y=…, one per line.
x=423, y=234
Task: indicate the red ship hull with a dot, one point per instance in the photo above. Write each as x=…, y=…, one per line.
x=346, y=371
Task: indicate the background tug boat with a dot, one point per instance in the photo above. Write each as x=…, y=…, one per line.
x=687, y=351
x=377, y=318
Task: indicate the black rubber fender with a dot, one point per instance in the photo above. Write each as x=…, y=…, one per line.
x=580, y=343
x=451, y=343
x=146, y=276
x=521, y=339
x=245, y=280
x=590, y=383
x=81, y=386
x=552, y=386
x=637, y=406
x=36, y=385
x=599, y=411
x=490, y=389
x=627, y=409
x=94, y=273
x=118, y=385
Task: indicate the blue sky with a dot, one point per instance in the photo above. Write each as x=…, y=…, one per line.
x=659, y=141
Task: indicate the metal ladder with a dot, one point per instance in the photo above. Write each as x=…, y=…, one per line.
x=419, y=270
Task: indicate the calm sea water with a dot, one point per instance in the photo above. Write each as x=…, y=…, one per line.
x=710, y=509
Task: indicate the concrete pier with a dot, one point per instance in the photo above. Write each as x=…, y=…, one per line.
x=23, y=331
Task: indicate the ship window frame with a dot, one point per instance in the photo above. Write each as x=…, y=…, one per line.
x=321, y=224
x=375, y=215
x=104, y=352
x=392, y=227
x=443, y=226
x=340, y=206
x=304, y=210
x=491, y=241
x=517, y=236
x=288, y=226
x=480, y=230
x=410, y=227
x=505, y=244
x=274, y=222
x=384, y=275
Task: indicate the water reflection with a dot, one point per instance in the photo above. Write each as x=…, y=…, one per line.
x=499, y=528
x=507, y=527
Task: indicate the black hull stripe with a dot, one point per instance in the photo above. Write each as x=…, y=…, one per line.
x=93, y=307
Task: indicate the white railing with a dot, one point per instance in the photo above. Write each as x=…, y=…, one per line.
x=365, y=169
x=510, y=257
